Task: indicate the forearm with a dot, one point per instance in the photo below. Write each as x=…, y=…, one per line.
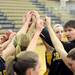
x=57, y=44
x=33, y=42
x=23, y=30
x=5, y=44
x=8, y=51
x=31, y=30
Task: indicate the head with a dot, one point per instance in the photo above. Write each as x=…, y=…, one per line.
x=69, y=28
x=71, y=61
x=3, y=38
x=22, y=41
x=27, y=63
x=59, y=30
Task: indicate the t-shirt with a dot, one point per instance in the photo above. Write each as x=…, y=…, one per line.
x=40, y=50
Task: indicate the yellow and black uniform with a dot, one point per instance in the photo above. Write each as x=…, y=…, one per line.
x=57, y=67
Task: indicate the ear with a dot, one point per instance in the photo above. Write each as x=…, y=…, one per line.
x=30, y=71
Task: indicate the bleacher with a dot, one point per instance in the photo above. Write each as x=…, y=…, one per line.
x=63, y=13
x=12, y=11
x=45, y=10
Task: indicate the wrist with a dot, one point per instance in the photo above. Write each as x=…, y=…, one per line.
x=38, y=32
x=49, y=26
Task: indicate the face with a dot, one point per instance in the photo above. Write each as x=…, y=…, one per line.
x=59, y=32
x=71, y=64
x=70, y=33
x=3, y=38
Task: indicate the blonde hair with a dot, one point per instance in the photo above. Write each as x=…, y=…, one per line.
x=21, y=42
x=57, y=25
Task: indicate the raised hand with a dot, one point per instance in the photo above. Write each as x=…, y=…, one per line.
x=27, y=17
x=38, y=20
x=36, y=14
x=48, y=21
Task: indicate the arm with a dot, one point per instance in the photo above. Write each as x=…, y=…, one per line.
x=10, y=48
x=5, y=44
x=8, y=51
x=39, y=28
x=26, y=23
x=33, y=42
x=57, y=44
